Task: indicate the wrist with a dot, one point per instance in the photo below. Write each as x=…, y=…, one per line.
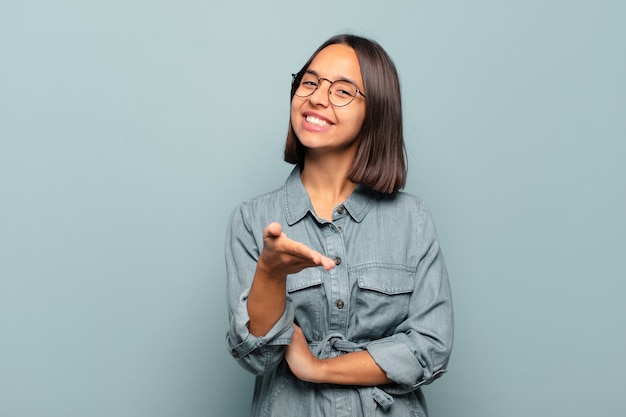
x=321, y=374
x=265, y=271
x=317, y=371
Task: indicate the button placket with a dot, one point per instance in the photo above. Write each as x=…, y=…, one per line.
x=338, y=278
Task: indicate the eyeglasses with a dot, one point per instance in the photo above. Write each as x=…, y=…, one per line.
x=340, y=92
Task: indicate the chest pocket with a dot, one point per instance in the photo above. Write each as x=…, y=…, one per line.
x=383, y=298
x=306, y=291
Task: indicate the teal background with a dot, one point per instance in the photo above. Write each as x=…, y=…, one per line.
x=130, y=129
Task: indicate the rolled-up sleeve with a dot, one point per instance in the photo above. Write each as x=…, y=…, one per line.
x=255, y=354
x=419, y=350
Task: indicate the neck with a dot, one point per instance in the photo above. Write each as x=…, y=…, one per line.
x=327, y=184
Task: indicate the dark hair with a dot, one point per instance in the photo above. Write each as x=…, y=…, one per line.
x=380, y=159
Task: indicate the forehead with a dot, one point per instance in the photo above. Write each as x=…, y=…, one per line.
x=337, y=61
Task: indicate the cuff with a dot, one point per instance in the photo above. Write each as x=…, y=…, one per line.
x=398, y=362
x=242, y=342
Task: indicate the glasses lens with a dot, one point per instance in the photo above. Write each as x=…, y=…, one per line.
x=342, y=93
x=308, y=84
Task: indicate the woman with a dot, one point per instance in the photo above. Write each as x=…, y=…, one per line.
x=338, y=294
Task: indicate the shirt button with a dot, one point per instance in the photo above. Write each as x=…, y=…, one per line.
x=337, y=261
x=340, y=209
x=234, y=353
x=340, y=228
x=340, y=304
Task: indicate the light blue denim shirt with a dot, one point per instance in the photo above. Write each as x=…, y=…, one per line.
x=388, y=294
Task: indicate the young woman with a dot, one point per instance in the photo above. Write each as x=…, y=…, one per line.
x=338, y=294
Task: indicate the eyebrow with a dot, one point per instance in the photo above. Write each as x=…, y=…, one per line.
x=308, y=71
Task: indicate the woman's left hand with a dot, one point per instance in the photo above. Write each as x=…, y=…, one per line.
x=301, y=361
x=354, y=368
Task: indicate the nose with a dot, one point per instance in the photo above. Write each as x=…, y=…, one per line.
x=321, y=94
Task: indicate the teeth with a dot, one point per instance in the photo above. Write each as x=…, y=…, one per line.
x=317, y=121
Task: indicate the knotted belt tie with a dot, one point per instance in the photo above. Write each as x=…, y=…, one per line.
x=335, y=344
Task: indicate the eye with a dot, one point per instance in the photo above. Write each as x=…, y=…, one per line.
x=344, y=89
x=309, y=82
x=343, y=93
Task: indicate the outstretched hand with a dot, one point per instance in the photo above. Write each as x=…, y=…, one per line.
x=285, y=256
x=279, y=257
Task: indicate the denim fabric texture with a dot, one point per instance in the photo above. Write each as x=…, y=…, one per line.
x=388, y=294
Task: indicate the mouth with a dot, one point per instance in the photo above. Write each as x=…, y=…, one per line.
x=317, y=121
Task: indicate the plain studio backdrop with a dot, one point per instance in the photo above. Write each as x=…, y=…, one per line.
x=130, y=129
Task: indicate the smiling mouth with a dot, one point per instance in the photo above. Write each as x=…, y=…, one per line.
x=316, y=121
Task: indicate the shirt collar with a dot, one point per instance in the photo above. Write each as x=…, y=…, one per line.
x=297, y=203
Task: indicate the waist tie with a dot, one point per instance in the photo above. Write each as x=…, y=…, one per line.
x=335, y=344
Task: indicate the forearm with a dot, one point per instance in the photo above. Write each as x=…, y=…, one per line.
x=266, y=301
x=356, y=368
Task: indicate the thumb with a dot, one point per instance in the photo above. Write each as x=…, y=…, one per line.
x=272, y=230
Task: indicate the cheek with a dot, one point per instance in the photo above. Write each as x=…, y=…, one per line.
x=295, y=111
x=358, y=121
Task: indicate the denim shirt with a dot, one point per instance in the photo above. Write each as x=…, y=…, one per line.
x=388, y=294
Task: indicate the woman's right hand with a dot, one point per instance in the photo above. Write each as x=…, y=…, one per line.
x=279, y=257
x=282, y=256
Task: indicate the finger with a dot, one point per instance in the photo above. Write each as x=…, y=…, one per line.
x=298, y=335
x=327, y=263
x=272, y=230
x=296, y=249
x=317, y=259
x=323, y=261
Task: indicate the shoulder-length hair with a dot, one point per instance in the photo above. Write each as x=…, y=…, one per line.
x=380, y=161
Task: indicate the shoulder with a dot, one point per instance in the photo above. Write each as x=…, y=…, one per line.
x=403, y=201
x=260, y=207
x=264, y=199
x=405, y=210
